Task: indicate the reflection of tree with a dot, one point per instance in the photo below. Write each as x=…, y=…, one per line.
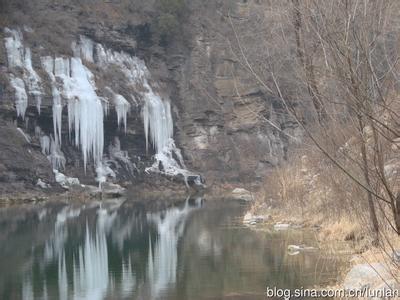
x=245, y=262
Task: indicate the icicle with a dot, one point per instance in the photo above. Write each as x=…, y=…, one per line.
x=21, y=98
x=38, y=131
x=48, y=64
x=122, y=107
x=14, y=47
x=61, y=67
x=22, y=58
x=56, y=156
x=45, y=144
x=85, y=110
x=57, y=113
x=157, y=117
x=157, y=120
x=84, y=48
x=88, y=112
x=32, y=79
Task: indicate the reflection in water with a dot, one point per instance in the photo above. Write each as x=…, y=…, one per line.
x=118, y=250
x=162, y=266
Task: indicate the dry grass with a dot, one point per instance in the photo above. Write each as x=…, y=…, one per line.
x=311, y=192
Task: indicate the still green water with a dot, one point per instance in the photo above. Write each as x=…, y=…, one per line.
x=118, y=250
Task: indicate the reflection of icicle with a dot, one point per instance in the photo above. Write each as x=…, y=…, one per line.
x=55, y=245
x=62, y=278
x=128, y=281
x=170, y=226
x=45, y=295
x=27, y=289
x=91, y=280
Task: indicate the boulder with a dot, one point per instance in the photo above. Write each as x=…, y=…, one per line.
x=252, y=219
x=242, y=194
x=366, y=275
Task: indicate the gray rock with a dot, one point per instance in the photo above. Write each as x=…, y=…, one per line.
x=366, y=274
x=242, y=194
x=386, y=288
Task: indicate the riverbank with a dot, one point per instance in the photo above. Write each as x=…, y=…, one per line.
x=311, y=194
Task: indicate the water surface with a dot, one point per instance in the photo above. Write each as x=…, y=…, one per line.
x=118, y=250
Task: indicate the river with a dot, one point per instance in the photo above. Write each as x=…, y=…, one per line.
x=118, y=249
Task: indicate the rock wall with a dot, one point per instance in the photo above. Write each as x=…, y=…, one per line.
x=229, y=126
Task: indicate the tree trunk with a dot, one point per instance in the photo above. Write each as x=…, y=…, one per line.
x=306, y=63
x=371, y=206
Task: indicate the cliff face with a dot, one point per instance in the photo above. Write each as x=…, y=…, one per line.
x=229, y=126
x=222, y=116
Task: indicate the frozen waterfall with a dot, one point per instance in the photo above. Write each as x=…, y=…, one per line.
x=73, y=85
x=20, y=57
x=21, y=98
x=85, y=111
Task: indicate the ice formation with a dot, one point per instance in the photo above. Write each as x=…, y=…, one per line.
x=14, y=47
x=20, y=57
x=84, y=48
x=56, y=156
x=122, y=107
x=72, y=82
x=158, y=125
x=157, y=117
x=103, y=171
x=85, y=110
x=157, y=121
x=21, y=98
x=32, y=79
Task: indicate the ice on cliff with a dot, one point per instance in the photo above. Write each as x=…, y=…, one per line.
x=73, y=85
